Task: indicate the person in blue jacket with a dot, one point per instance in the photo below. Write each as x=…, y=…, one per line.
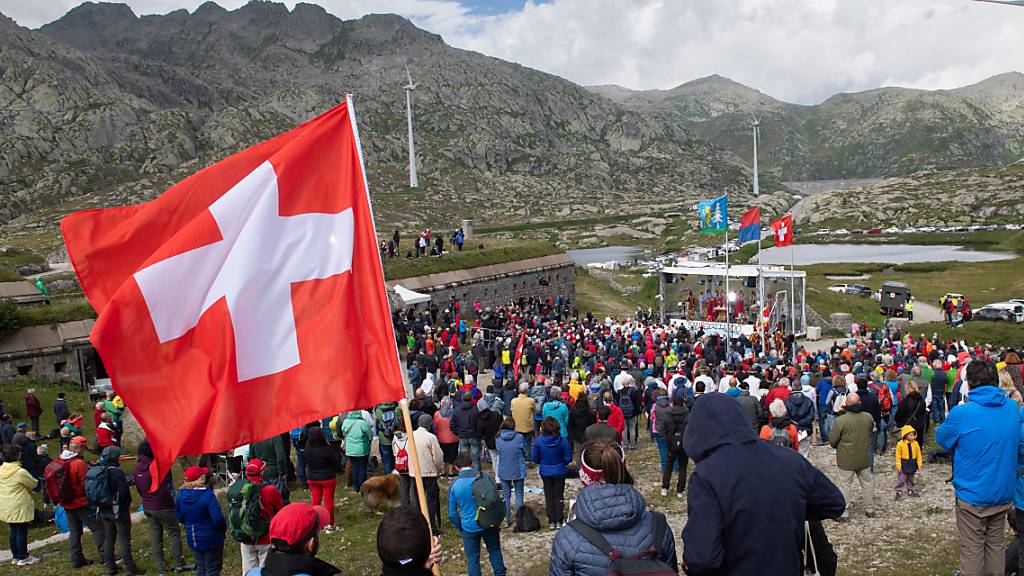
x=199, y=511
x=984, y=435
x=555, y=408
x=513, y=450
x=462, y=509
x=553, y=453
x=732, y=530
x=821, y=391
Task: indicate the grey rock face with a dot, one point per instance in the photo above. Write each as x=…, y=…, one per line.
x=104, y=107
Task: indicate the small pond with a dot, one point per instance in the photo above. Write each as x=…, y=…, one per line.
x=883, y=253
x=620, y=254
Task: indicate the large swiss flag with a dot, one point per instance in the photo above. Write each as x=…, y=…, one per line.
x=782, y=230
x=246, y=300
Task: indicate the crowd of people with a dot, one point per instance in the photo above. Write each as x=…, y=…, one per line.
x=534, y=389
x=424, y=244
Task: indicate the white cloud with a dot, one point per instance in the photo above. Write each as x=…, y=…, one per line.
x=796, y=50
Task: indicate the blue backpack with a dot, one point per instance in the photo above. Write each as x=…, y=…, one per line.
x=98, y=490
x=626, y=404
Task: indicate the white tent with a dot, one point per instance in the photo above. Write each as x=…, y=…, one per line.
x=410, y=297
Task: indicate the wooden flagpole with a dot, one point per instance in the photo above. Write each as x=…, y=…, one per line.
x=414, y=465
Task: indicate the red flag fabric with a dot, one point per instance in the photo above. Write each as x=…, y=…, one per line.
x=782, y=230
x=518, y=357
x=751, y=217
x=246, y=300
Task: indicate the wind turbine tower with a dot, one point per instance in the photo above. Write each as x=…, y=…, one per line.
x=409, y=88
x=757, y=130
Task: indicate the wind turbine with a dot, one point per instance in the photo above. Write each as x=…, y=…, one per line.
x=409, y=88
x=756, y=126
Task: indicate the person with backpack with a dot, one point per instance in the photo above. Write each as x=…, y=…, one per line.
x=476, y=510
x=800, y=409
x=17, y=508
x=730, y=529
x=252, y=503
x=199, y=512
x=553, y=453
x=880, y=438
x=273, y=452
x=836, y=400
x=612, y=523
x=106, y=489
x=630, y=405
x=822, y=389
x=65, y=485
x=673, y=427
x=780, y=430
x=358, y=437
x=323, y=462
x=385, y=417
x=513, y=451
x=158, y=508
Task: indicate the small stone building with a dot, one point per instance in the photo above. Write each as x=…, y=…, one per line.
x=497, y=284
x=50, y=353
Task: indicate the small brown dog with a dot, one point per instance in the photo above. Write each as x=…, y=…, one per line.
x=381, y=493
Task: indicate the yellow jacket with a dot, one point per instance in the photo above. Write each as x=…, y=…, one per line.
x=16, y=484
x=522, y=413
x=907, y=450
x=575, y=388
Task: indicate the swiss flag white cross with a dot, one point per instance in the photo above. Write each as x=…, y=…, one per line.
x=781, y=232
x=253, y=267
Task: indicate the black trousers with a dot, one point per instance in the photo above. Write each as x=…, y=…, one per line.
x=666, y=472
x=824, y=553
x=115, y=529
x=554, y=498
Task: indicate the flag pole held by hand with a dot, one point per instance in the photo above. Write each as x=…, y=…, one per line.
x=414, y=465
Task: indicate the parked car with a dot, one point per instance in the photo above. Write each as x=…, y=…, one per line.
x=874, y=231
x=98, y=391
x=858, y=290
x=823, y=232
x=840, y=232
x=856, y=231
x=892, y=230
x=926, y=229
x=999, y=313
x=841, y=288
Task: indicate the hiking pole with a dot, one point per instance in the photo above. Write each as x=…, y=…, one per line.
x=414, y=465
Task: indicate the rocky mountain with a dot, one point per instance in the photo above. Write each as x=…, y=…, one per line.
x=883, y=132
x=104, y=107
x=942, y=198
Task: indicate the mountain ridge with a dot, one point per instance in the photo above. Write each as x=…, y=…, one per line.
x=156, y=97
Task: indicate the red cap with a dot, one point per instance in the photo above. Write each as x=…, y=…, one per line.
x=298, y=521
x=80, y=440
x=193, y=473
x=540, y=378
x=255, y=467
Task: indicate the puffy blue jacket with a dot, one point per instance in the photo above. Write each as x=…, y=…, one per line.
x=619, y=513
x=732, y=530
x=553, y=453
x=985, y=437
x=462, y=507
x=560, y=412
x=512, y=454
x=199, y=511
x=821, y=393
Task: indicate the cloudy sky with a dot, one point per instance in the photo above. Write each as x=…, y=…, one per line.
x=796, y=50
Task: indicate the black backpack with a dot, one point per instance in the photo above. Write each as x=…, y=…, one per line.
x=526, y=520
x=626, y=404
x=675, y=439
x=644, y=563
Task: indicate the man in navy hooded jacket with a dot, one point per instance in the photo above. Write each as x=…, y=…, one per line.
x=984, y=435
x=748, y=499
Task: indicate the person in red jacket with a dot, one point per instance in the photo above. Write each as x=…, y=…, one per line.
x=106, y=435
x=616, y=419
x=779, y=391
x=77, y=507
x=255, y=553
x=33, y=408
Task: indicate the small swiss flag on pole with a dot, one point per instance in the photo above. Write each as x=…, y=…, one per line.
x=246, y=300
x=782, y=230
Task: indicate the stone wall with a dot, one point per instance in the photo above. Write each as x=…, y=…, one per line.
x=49, y=366
x=545, y=277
